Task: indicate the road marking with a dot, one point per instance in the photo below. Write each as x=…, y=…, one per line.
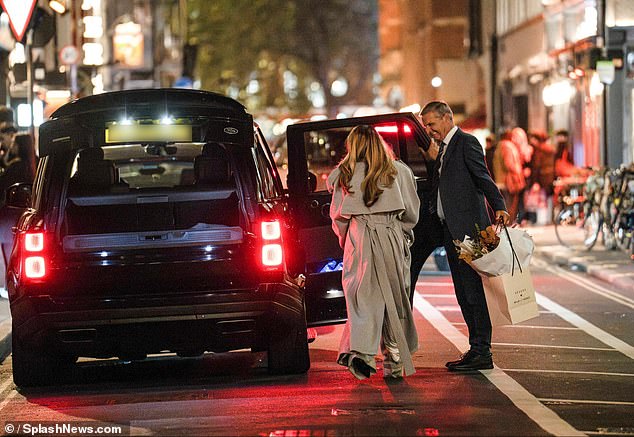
x=554, y=346
x=581, y=372
x=586, y=401
x=5, y=384
x=567, y=328
x=584, y=325
x=448, y=308
x=602, y=432
x=586, y=283
x=521, y=398
x=437, y=284
x=7, y=399
x=442, y=296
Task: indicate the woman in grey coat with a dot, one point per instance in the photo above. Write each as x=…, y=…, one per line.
x=374, y=208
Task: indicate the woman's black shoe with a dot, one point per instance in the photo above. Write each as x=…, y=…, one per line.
x=362, y=367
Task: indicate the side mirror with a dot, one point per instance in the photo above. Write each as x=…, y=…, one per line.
x=19, y=195
x=312, y=182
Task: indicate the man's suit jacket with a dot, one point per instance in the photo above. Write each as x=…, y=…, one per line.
x=464, y=185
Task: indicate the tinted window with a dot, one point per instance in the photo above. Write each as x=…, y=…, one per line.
x=326, y=148
x=267, y=185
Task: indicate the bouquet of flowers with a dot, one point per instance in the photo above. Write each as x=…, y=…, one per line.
x=483, y=242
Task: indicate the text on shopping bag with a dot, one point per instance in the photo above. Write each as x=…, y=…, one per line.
x=510, y=297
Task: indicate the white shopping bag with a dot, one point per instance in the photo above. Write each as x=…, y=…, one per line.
x=500, y=260
x=510, y=297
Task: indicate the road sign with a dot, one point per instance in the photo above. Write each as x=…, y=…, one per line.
x=19, y=13
x=69, y=55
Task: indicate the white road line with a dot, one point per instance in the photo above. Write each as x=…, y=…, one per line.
x=440, y=296
x=5, y=384
x=603, y=433
x=586, y=283
x=7, y=399
x=524, y=400
x=586, y=401
x=566, y=328
x=584, y=325
x=580, y=372
x=554, y=346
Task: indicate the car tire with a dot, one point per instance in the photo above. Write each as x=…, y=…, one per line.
x=288, y=349
x=33, y=368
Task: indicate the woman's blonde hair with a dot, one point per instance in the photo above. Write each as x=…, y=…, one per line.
x=364, y=144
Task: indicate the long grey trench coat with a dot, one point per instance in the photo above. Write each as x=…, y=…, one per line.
x=376, y=263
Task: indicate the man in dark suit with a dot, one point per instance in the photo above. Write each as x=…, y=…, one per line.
x=461, y=189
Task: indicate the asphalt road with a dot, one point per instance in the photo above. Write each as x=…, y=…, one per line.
x=569, y=371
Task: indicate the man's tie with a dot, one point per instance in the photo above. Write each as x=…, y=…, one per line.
x=435, y=179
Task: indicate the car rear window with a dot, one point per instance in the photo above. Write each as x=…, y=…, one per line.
x=151, y=187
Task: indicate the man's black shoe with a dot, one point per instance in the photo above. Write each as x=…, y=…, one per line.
x=473, y=362
x=463, y=357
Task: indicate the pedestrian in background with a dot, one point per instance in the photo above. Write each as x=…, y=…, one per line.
x=489, y=153
x=373, y=210
x=7, y=133
x=21, y=162
x=462, y=187
x=564, y=160
x=542, y=166
x=509, y=176
x=525, y=150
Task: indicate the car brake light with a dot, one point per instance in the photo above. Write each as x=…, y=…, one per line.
x=34, y=267
x=392, y=129
x=34, y=262
x=272, y=253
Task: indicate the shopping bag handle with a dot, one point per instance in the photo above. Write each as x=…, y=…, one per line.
x=515, y=257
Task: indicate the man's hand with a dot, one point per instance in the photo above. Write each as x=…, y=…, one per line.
x=432, y=152
x=502, y=216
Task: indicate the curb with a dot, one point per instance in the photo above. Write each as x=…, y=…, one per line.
x=622, y=277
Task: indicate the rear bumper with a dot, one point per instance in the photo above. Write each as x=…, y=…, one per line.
x=101, y=328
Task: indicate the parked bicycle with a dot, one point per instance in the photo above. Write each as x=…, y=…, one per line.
x=568, y=212
x=623, y=211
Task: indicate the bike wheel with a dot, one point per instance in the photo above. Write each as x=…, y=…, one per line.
x=566, y=226
x=623, y=233
x=591, y=228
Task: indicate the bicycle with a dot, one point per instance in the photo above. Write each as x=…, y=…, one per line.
x=622, y=208
x=569, y=212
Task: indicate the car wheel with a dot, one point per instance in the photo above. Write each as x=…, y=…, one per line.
x=32, y=368
x=288, y=349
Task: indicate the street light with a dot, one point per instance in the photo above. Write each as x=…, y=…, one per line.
x=58, y=6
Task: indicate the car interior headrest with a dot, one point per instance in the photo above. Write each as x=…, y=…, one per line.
x=212, y=165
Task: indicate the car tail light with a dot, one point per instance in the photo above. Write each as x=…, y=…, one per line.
x=34, y=261
x=392, y=129
x=272, y=252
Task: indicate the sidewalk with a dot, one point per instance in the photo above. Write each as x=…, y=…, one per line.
x=611, y=266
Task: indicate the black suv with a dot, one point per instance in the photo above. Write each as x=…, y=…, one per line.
x=158, y=222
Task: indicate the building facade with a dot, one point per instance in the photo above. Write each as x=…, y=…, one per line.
x=428, y=51
x=571, y=73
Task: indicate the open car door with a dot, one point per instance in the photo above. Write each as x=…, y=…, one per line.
x=314, y=150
